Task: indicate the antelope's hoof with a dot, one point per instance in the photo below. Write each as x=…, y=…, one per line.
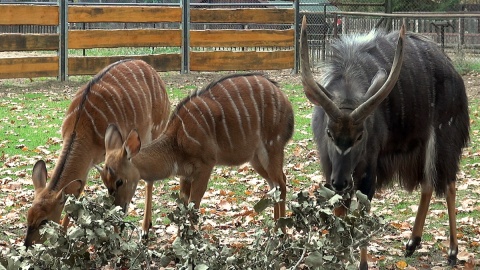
x=412, y=245
x=452, y=256
x=144, y=235
x=363, y=266
x=145, y=231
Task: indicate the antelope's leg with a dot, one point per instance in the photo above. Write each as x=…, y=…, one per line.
x=147, y=215
x=452, y=253
x=363, y=259
x=283, y=196
x=65, y=222
x=417, y=231
x=199, y=183
x=185, y=187
x=340, y=211
x=279, y=208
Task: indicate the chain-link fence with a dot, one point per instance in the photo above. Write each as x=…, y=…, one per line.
x=453, y=24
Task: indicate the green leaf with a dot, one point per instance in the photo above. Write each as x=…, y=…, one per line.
x=285, y=222
x=178, y=247
x=363, y=201
x=261, y=205
x=201, y=267
x=324, y=193
x=165, y=261
x=314, y=260
x=335, y=199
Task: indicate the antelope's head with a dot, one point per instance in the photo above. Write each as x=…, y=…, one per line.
x=346, y=128
x=119, y=174
x=47, y=204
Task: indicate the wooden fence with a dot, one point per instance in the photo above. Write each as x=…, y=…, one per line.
x=57, y=62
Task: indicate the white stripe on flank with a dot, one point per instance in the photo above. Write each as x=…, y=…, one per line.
x=149, y=99
x=132, y=90
x=110, y=89
x=223, y=120
x=141, y=89
x=71, y=114
x=399, y=85
x=262, y=99
x=106, y=103
x=194, y=118
x=92, y=119
x=237, y=112
x=201, y=114
x=210, y=113
x=186, y=132
x=255, y=105
x=247, y=115
x=274, y=104
x=125, y=91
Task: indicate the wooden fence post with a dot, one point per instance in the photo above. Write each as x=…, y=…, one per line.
x=185, y=37
x=63, y=40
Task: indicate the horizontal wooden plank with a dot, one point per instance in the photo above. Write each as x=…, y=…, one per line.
x=134, y=14
x=85, y=39
x=227, y=60
x=247, y=15
x=28, y=14
x=92, y=65
x=28, y=42
x=28, y=67
x=242, y=38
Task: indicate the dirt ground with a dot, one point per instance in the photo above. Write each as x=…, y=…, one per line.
x=177, y=80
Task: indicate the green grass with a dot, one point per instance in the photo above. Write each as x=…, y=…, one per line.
x=465, y=65
x=123, y=51
x=26, y=131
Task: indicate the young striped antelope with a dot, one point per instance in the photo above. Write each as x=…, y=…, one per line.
x=129, y=94
x=237, y=119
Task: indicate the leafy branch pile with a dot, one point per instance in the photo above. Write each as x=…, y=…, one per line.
x=316, y=238
x=90, y=244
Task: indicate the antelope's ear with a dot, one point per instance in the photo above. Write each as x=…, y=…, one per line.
x=133, y=144
x=39, y=176
x=60, y=197
x=377, y=82
x=99, y=169
x=113, y=138
x=75, y=187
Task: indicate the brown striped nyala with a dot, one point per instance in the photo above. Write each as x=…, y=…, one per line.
x=371, y=130
x=129, y=94
x=237, y=119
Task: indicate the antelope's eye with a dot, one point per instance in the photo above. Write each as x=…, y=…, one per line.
x=329, y=134
x=360, y=137
x=119, y=182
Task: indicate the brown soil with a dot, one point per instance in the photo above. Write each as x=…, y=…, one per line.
x=176, y=80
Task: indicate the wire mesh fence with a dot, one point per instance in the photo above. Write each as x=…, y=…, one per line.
x=457, y=31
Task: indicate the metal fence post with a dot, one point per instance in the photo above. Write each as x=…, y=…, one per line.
x=185, y=37
x=63, y=40
x=388, y=9
x=296, y=6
